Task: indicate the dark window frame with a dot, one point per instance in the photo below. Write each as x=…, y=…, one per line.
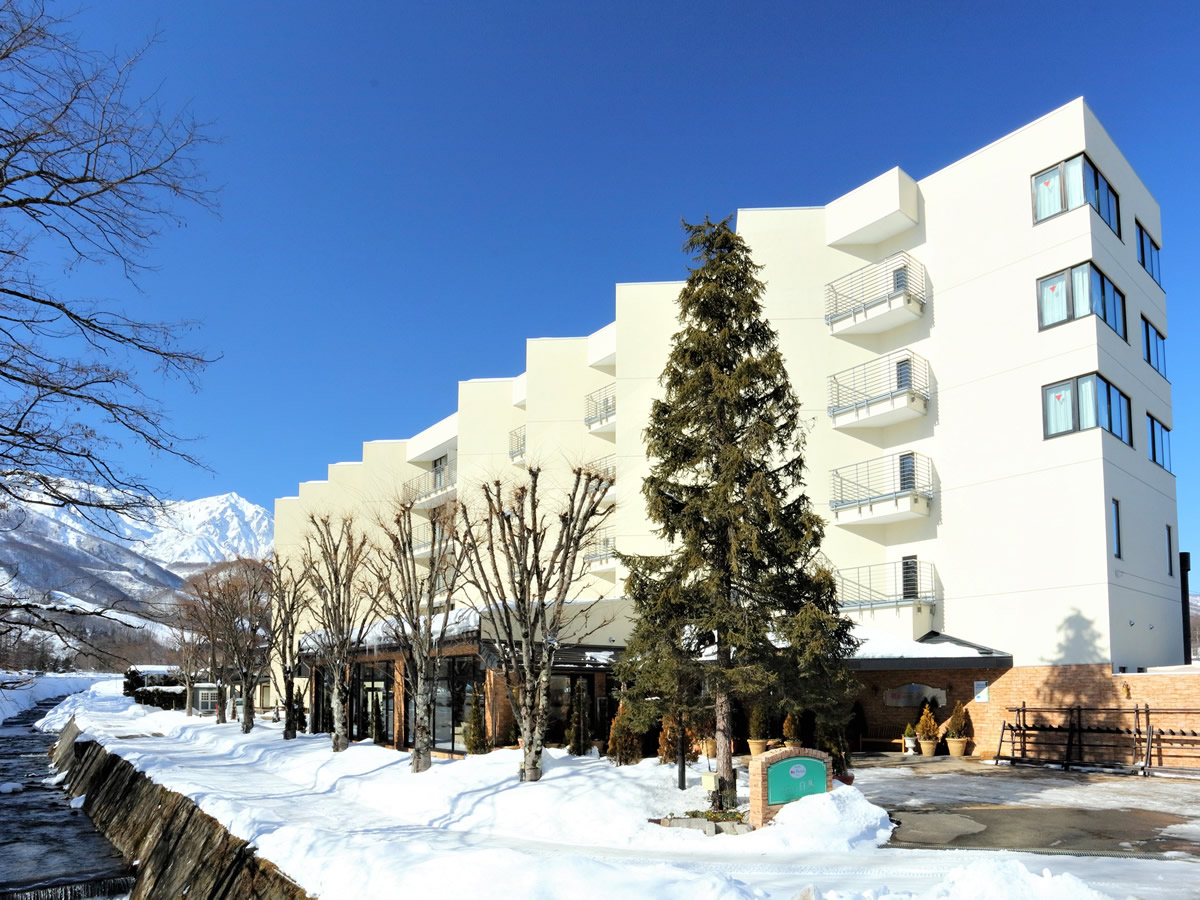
x=1170, y=554
x=1115, y=510
x=1158, y=443
x=1123, y=333
x=1091, y=191
x=1155, y=269
x=1103, y=421
x=1160, y=347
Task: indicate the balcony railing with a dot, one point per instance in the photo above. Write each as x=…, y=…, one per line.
x=901, y=372
x=603, y=545
x=422, y=537
x=600, y=405
x=905, y=582
x=605, y=466
x=902, y=474
x=516, y=443
x=875, y=284
x=435, y=480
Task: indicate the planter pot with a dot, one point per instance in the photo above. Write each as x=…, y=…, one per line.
x=710, y=748
x=910, y=745
x=957, y=746
x=795, y=745
x=847, y=778
x=928, y=748
x=757, y=747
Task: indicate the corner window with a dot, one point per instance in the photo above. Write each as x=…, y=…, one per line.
x=1154, y=348
x=1158, y=442
x=1116, y=528
x=1070, y=185
x=1088, y=401
x=1147, y=252
x=1077, y=292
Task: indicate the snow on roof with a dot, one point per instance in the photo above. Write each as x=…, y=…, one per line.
x=880, y=644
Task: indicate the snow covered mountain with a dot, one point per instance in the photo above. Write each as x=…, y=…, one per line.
x=46, y=551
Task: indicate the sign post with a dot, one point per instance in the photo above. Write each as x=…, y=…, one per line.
x=784, y=775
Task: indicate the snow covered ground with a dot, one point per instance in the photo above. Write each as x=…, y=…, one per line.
x=358, y=825
x=43, y=687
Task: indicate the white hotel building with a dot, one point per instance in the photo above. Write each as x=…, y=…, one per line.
x=981, y=357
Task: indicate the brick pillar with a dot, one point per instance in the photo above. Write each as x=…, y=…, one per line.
x=761, y=812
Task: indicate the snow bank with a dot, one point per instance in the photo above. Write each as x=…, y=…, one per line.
x=43, y=687
x=1009, y=880
x=840, y=821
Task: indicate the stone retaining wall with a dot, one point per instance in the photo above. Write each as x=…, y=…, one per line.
x=181, y=851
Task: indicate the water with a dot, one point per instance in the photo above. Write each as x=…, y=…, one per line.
x=47, y=849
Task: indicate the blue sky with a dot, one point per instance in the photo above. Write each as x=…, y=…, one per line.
x=409, y=190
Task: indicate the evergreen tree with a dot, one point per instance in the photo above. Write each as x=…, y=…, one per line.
x=726, y=489
x=624, y=740
x=578, y=732
x=477, y=736
x=378, y=732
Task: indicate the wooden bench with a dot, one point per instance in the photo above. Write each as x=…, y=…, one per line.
x=884, y=734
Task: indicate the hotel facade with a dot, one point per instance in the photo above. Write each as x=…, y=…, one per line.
x=980, y=356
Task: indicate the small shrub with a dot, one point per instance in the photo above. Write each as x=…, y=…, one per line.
x=378, y=732
x=477, y=736
x=927, y=728
x=715, y=815
x=579, y=735
x=667, y=738
x=163, y=699
x=133, y=680
x=909, y=731
x=957, y=726
x=791, y=727
x=758, y=722
x=624, y=742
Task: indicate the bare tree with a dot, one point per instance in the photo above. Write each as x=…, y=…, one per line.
x=413, y=599
x=341, y=607
x=90, y=173
x=523, y=566
x=289, y=601
x=205, y=589
x=243, y=613
x=187, y=640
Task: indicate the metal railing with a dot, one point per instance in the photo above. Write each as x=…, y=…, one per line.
x=602, y=546
x=881, y=479
x=516, y=443
x=436, y=479
x=600, y=405
x=604, y=466
x=905, y=582
x=422, y=537
x=876, y=283
x=900, y=372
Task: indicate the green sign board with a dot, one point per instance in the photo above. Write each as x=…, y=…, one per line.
x=795, y=777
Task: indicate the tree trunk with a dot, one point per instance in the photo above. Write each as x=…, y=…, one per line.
x=247, y=705
x=681, y=749
x=533, y=727
x=221, y=719
x=187, y=695
x=290, y=718
x=722, y=709
x=422, y=726
x=337, y=701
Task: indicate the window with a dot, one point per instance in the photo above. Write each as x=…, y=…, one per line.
x=1088, y=401
x=1147, y=252
x=1154, y=348
x=206, y=701
x=1170, y=555
x=1116, y=528
x=904, y=374
x=909, y=579
x=908, y=472
x=1158, y=442
x=1077, y=292
x=439, y=472
x=1071, y=184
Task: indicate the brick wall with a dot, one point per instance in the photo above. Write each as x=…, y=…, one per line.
x=1043, y=686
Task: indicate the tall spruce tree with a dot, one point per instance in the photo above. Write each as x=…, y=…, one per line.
x=741, y=586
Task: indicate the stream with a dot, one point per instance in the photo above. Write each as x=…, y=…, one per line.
x=48, y=851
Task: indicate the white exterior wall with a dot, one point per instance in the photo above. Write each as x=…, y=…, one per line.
x=1018, y=528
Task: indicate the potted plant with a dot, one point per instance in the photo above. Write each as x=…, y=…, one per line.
x=956, y=731
x=791, y=730
x=927, y=732
x=758, y=730
x=910, y=738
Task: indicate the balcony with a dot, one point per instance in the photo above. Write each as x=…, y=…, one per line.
x=905, y=582
x=432, y=488
x=605, y=467
x=876, y=298
x=881, y=491
x=893, y=388
x=600, y=553
x=600, y=410
x=516, y=445
x=423, y=537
